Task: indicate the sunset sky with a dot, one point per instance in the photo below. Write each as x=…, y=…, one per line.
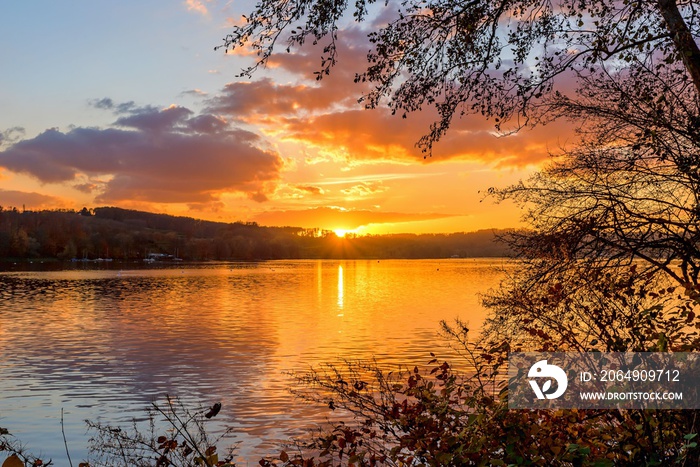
x=127, y=104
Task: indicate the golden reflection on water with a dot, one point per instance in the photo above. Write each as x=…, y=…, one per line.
x=341, y=290
x=106, y=343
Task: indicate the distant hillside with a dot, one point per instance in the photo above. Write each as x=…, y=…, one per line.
x=122, y=234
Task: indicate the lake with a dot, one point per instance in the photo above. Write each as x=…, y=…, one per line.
x=102, y=344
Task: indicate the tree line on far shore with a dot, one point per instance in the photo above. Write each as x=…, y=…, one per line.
x=122, y=234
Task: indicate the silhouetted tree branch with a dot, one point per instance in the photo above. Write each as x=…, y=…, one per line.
x=503, y=59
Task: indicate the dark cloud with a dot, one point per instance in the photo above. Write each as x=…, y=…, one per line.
x=168, y=157
x=105, y=103
x=108, y=104
x=11, y=135
x=207, y=124
x=152, y=119
x=86, y=187
x=263, y=99
x=174, y=118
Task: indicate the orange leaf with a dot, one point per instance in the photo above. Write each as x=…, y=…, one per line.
x=13, y=461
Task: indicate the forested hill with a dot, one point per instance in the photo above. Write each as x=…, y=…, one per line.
x=121, y=234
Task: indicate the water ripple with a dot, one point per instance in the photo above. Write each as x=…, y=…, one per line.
x=104, y=344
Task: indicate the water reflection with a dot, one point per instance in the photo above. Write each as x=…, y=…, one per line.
x=104, y=344
x=341, y=291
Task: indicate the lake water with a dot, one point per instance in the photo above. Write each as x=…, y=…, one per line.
x=104, y=344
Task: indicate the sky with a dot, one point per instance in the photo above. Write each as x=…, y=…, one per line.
x=128, y=104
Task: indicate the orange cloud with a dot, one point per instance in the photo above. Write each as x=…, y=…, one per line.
x=376, y=135
x=234, y=22
x=335, y=218
x=31, y=200
x=314, y=190
x=197, y=6
x=327, y=116
x=364, y=189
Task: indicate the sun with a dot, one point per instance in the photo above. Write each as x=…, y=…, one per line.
x=348, y=233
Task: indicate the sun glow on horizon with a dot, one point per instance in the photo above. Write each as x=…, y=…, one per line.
x=318, y=162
